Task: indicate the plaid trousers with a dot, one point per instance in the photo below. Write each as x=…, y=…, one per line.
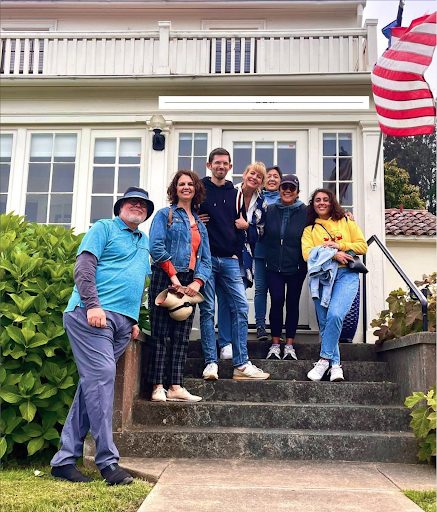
x=169, y=337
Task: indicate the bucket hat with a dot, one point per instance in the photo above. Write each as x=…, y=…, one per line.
x=180, y=306
x=135, y=193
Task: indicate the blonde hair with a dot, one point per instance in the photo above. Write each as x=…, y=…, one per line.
x=259, y=168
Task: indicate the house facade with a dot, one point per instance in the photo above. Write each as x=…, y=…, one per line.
x=85, y=84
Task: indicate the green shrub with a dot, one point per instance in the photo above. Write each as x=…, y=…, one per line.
x=404, y=313
x=38, y=376
x=423, y=421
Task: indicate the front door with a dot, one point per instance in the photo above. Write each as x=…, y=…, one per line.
x=288, y=150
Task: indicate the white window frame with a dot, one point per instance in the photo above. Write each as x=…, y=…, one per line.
x=176, y=148
x=53, y=130
x=11, y=171
x=350, y=130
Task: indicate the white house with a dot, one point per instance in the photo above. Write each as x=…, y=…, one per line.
x=80, y=89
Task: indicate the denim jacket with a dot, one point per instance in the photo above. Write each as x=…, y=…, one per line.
x=322, y=270
x=174, y=242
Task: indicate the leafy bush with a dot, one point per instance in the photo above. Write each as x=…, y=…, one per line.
x=404, y=313
x=423, y=421
x=38, y=376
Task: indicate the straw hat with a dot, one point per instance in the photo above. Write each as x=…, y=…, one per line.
x=180, y=306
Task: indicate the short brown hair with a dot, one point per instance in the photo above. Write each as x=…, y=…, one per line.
x=336, y=213
x=218, y=151
x=199, y=188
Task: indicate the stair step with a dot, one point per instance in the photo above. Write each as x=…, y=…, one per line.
x=272, y=415
x=307, y=349
x=364, y=393
x=367, y=371
x=232, y=442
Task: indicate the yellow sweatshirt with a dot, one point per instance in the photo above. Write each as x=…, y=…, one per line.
x=344, y=232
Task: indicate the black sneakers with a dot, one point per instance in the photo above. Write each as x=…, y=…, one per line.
x=69, y=472
x=115, y=475
x=261, y=333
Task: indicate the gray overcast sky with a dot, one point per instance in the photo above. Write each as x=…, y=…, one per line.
x=386, y=10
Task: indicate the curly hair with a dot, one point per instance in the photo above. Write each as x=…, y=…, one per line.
x=199, y=188
x=259, y=168
x=336, y=212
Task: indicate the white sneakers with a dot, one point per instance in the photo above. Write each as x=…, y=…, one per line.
x=320, y=368
x=336, y=373
x=158, y=395
x=210, y=372
x=289, y=352
x=182, y=395
x=250, y=372
x=226, y=352
x=274, y=352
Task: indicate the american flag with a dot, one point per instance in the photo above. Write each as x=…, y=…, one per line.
x=403, y=99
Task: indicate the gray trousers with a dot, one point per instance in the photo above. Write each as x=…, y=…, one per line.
x=96, y=351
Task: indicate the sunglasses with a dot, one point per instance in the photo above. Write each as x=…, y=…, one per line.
x=134, y=202
x=288, y=186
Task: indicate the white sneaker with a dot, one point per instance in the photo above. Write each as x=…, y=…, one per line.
x=226, y=352
x=289, y=352
x=274, y=352
x=336, y=373
x=158, y=395
x=320, y=368
x=182, y=395
x=250, y=372
x=210, y=372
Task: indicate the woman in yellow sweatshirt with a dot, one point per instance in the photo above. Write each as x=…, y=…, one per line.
x=328, y=227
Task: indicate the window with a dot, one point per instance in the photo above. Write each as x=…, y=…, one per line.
x=5, y=168
x=337, y=166
x=193, y=152
x=50, y=181
x=117, y=163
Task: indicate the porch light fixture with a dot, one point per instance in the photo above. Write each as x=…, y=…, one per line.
x=157, y=124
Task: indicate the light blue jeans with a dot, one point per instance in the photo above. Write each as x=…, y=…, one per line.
x=227, y=282
x=331, y=318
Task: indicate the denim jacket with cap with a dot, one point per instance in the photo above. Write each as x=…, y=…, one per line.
x=322, y=270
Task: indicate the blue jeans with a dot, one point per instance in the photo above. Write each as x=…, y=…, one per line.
x=227, y=282
x=260, y=299
x=331, y=318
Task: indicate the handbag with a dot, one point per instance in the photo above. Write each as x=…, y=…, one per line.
x=356, y=265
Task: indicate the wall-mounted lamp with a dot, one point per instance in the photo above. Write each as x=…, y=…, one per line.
x=157, y=123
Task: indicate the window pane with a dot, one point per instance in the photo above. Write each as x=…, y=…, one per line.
x=3, y=199
x=330, y=186
x=329, y=144
x=345, y=144
x=185, y=144
x=345, y=191
x=130, y=151
x=4, y=177
x=5, y=147
x=264, y=153
x=286, y=159
x=101, y=208
x=104, y=151
x=199, y=166
x=200, y=144
x=184, y=163
x=36, y=208
x=60, y=208
x=345, y=165
x=65, y=147
x=38, y=178
x=128, y=177
x=329, y=169
x=103, y=180
x=41, y=147
x=63, y=177
x=242, y=156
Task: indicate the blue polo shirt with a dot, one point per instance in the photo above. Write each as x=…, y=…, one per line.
x=123, y=264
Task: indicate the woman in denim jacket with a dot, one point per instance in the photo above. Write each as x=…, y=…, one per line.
x=181, y=258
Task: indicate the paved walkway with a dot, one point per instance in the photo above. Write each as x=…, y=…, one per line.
x=188, y=485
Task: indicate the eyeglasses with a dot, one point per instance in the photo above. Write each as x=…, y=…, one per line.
x=288, y=186
x=135, y=202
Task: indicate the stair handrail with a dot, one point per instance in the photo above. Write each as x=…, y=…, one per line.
x=413, y=288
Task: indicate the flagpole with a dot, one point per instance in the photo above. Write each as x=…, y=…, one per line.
x=375, y=174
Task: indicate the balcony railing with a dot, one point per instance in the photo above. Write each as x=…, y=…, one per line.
x=167, y=52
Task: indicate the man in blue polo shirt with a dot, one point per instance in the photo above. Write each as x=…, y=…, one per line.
x=100, y=319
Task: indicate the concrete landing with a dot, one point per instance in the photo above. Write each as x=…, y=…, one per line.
x=193, y=485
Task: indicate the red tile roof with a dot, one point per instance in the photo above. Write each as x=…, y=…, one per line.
x=405, y=222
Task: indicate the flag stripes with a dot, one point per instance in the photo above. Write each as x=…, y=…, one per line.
x=403, y=100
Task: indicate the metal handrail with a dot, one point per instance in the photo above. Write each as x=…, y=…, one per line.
x=413, y=288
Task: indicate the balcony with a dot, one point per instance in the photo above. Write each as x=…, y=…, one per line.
x=202, y=53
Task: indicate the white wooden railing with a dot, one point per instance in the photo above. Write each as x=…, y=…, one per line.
x=166, y=52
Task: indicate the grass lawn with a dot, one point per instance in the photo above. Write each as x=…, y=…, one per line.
x=425, y=499
x=22, y=491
